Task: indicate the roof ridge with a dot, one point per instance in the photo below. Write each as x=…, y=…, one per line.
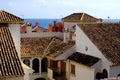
x=48, y=46
x=6, y=17
x=82, y=16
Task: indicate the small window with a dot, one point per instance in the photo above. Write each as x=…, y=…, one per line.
x=72, y=69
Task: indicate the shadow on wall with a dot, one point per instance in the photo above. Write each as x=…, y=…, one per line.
x=40, y=79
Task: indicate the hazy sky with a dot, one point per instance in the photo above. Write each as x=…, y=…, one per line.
x=61, y=8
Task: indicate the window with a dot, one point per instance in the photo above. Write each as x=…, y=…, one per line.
x=105, y=73
x=72, y=69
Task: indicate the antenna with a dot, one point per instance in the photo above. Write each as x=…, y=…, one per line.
x=108, y=18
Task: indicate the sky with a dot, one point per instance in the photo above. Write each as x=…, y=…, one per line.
x=61, y=8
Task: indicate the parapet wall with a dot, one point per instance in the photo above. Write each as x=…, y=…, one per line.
x=42, y=34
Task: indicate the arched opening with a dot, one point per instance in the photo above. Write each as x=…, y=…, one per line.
x=44, y=65
x=105, y=73
x=27, y=62
x=36, y=65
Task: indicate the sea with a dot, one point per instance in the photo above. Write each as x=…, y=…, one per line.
x=45, y=22
x=42, y=22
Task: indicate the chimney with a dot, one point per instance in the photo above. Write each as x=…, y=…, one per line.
x=55, y=23
x=66, y=35
x=29, y=27
x=50, y=28
x=36, y=24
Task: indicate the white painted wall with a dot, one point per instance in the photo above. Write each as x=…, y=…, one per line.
x=70, y=25
x=42, y=34
x=82, y=72
x=50, y=74
x=67, y=53
x=15, y=31
x=101, y=65
x=27, y=71
x=82, y=41
x=114, y=71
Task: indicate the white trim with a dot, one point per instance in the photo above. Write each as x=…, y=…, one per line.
x=82, y=16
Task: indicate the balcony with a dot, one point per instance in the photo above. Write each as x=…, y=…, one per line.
x=54, y=74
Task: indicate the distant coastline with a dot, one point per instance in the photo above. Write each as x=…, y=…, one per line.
x=45, y=22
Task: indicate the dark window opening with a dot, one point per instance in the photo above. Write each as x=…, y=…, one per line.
x=44, y=65
x=105, y=73
x=36, y=65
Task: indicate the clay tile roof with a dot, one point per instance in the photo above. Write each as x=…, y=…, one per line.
x=106, y=36
x=58, y=47
x=10, y=64
x=74, y=16
x=37, y=46
x=6, y=17
x=83, y=59
x=81, y=17
x=38, y=29
x=33, y=46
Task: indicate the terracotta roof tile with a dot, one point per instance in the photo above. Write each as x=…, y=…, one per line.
x=58, y=47
x=83, y=59
x=74, y=16
x=106, y=36
x=81, y=17
x=10, y=64
x=6, y=17
x=33, y=46
x=37, y=46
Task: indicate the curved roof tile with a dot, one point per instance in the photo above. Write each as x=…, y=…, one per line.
x=6, y=17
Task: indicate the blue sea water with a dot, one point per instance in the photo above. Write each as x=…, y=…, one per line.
x=42, y=22
x=45, y=22
x=111, y=20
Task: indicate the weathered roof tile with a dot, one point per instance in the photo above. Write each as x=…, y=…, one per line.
x=10, y=64
x=6, y=17
x=38, y=46
x=83, y=59
x=81, y=17
x=106, y=36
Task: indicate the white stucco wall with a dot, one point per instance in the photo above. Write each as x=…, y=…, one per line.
x=50, y=74
x=83, y=42
x=70, y=25
x=27, y=71
x=114, y=71
x=66, y=53
x=40, y=34
x=82, y=72
x=15, y=31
